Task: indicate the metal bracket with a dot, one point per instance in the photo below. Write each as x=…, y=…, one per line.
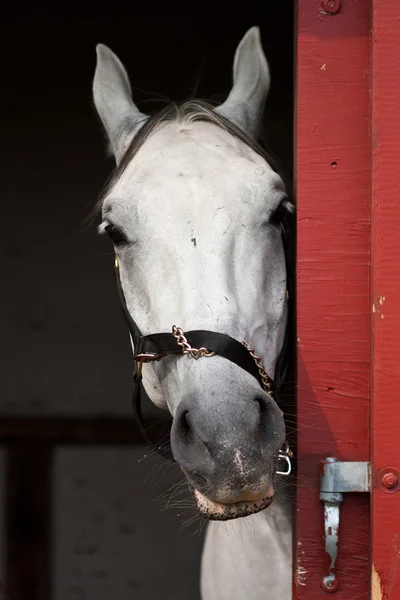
x=338, y=478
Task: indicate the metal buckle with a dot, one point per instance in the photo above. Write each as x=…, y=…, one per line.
x=138, y=374
x=285, y=455
x=145, y=357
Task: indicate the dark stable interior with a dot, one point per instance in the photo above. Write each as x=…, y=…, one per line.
x=68, y=353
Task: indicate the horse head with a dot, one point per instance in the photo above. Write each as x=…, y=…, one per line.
x=193, y=211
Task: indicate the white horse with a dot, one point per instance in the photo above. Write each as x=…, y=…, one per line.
x=191, y=211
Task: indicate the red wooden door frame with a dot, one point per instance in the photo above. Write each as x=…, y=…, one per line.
x=385, y=547
x=333, y=282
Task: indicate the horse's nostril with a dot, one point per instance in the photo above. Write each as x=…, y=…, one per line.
x=266, y=420
x=186, y=422
x=262, y=404
x=187, y=446
x=187, y=430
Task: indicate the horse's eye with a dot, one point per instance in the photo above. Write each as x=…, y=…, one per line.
x=114, y=234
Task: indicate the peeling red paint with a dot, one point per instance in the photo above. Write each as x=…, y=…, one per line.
x=384, y=585
x=386, y=293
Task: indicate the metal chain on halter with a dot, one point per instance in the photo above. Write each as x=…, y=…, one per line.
x=266, y=382
x=186, y=347
x=178, y=334
x=287, y=453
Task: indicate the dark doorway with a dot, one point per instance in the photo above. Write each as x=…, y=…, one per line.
x=66, y=354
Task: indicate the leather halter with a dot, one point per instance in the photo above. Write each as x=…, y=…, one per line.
x=155, y=347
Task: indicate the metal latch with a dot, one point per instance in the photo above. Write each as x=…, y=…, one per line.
x=338, y=478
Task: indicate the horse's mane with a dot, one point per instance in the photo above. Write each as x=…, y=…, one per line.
x=186, y=112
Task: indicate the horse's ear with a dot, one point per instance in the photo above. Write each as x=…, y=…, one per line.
x=251, y=80
x=113, y=100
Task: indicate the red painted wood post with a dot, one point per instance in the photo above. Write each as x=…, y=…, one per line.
x=333, y=282
x=386, y=299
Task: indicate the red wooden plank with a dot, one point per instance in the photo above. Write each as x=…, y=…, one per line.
x=333, y=289
x=386, y=296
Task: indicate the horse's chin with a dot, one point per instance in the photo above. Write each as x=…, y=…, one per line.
x=218, y=511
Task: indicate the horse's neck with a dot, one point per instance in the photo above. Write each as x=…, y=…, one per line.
x=250, y=558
